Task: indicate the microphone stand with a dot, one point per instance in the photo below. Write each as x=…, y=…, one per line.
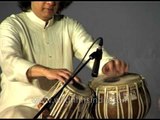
x=50, y=101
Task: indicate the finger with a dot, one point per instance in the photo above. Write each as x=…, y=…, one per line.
x=61, y=79
x=66, y=71
x=122, y=67
x=77, y=79
x=112, y=70
x=65, y=76
x=108, y=67
x=118, y=66
x=126, y=67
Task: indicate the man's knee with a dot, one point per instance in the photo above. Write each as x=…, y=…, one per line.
x=18, y=112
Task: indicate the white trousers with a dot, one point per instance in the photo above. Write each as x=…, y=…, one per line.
x=19, y=112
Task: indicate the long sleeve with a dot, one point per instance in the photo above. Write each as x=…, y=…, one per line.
x=82, y=40
x=12, y=60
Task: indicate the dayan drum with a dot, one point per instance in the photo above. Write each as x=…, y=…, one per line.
x=75, y=101
x=125, y=96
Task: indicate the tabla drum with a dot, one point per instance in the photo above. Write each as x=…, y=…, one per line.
x=121, y=97
x=74, y=102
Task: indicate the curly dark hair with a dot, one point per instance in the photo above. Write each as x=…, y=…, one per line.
x=26, y=5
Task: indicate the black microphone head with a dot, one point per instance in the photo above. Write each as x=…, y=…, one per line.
x=100, y=41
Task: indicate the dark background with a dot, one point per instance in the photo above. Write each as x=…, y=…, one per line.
x=131, y=31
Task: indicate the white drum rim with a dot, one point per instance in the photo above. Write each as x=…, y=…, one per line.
x=102, y=80
x=85, y=93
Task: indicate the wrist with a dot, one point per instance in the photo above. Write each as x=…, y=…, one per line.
x=36, y=71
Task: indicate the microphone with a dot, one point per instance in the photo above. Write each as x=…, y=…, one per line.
x=98, y=57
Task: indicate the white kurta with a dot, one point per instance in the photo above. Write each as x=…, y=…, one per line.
x=26, y=40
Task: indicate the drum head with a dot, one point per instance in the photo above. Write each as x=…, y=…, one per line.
x=103, y=80
x=79, y=88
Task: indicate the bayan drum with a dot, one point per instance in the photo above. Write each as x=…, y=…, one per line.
x=74, y=102
x=125, y=96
